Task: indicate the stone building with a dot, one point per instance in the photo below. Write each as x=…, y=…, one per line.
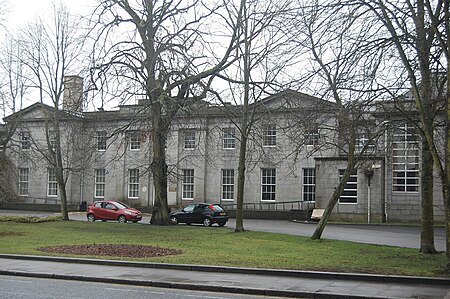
x=291, y=164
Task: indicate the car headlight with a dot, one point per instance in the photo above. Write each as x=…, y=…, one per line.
x=128, y=213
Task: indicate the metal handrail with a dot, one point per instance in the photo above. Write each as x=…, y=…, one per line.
x=273, y=206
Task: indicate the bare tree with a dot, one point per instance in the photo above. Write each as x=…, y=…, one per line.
x=338, y=42
x=12, y=93
x=261, y=57
x=51, y=51
x=413, y=27
x=164, y=57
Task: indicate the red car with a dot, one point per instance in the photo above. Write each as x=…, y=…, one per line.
x=112, y=210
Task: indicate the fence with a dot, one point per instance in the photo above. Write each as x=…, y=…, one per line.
x=273, y=206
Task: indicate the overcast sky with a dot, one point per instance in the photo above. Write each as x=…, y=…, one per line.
x=20, y=12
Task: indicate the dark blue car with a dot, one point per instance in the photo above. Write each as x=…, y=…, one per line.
x=204, y=213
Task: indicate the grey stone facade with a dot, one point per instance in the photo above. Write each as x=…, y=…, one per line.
x=206, y=159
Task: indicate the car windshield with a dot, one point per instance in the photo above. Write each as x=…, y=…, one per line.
x=121, y=205
x=216, y=208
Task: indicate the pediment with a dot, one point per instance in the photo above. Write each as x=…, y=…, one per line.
x=290, y=99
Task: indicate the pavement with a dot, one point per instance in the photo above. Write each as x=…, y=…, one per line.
x=264, y=282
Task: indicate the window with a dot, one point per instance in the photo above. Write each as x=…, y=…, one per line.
x=133, y=183
x=189, y=208
x=405, y=159
x=23, y=181
x=268, y=179
x=363, y=141
x=25, y=140
x=312, y=137
x=52, y=186
x=52, y=140
x=100, y=175
x=101, y=141
x=309, y=184
x=189, y=139
x=229, y=141
x=227, y=184
x=135, y=141
x=188, y=184
x=350, y=193
x=270, y=135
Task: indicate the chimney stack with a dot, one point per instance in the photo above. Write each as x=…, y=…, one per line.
x=73, y=94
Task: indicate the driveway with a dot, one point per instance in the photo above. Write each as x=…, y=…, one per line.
x=392, y=235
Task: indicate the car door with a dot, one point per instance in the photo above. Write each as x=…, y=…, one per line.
x=99, y=210
x=197, y=214
x=110, y=211
x=187, y=214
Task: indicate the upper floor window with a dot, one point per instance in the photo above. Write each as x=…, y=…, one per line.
x=312, y=137
x=52, y=139
x=25, y=140
x=23, y=181
x=52, y=186
x=350, y=193
x=133, y=183
x=270, y=135
x=405, y=159
x=363, y=143
x=135, y=141
x=188, y=184
x=229, y=139
x=268, y=183
x=309, y=184
x=101, y=140
x=189, y=139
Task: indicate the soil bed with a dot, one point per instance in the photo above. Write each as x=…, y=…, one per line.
x=120, y=250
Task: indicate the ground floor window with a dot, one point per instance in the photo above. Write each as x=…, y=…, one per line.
x=23, y=181
x=100, y=175
x=350, y=193
x=309, y=184
x=228, y=184
x=133, y=183
x=52, y=186
x=188, y=184
x=268, y=184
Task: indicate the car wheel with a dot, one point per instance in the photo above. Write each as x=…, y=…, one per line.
x=135, y=222
x=173, y=220
x=122, y=219
x=222, y=223
x=207, y=222
x=91, y=217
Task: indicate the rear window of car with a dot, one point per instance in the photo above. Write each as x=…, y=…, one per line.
x=216, y=208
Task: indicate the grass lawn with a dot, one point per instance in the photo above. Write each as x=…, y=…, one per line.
x=224, y=247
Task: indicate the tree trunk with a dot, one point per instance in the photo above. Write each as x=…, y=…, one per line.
x=446, y=179
x=64, y=211
x=62, y=191
x=427, y=229
x=244, y=125
x=241, y=185
x=332, y=203
x=160, y=213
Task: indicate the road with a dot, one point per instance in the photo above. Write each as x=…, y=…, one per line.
x=401, y=236
x=35, y=288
